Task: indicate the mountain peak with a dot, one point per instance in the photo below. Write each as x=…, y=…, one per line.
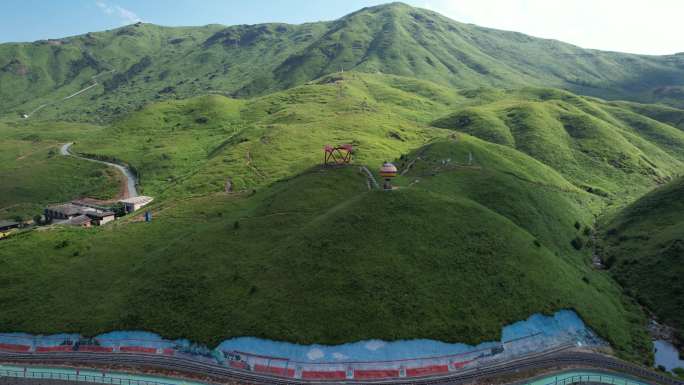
x=394, y=7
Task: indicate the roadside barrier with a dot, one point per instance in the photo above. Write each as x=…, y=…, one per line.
x=361, y=370
x=284, y=367
x=596, y=378
x=114, y=379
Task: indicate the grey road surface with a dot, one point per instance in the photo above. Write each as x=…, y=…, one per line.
x=131, y=181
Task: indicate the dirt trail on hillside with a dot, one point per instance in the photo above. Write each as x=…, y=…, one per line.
x=93, y=79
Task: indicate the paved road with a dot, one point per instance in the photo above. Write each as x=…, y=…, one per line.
x=550, y=360
x=131, y=181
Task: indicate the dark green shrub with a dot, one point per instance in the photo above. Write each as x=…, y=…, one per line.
x=62, y=244
x=577, y=243
x=679, y=372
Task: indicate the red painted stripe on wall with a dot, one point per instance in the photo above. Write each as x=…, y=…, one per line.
x=60, y=348
x=374, y=374
x=324, y=375
x=427, y=370
x=15, y=347
x=283, y=372
x=138, y=349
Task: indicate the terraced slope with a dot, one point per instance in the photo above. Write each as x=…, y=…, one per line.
x=152, y=62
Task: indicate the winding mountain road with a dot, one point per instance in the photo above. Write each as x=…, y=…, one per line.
x=131, y=180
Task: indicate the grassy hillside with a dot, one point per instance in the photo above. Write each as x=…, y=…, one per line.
x=143, y=62
x=194, y=146
x=530, y=194
x=493, y=219
x=312, y=257
x=604, y=149
x=663, y=114
x=644, y=247
x=33, y=173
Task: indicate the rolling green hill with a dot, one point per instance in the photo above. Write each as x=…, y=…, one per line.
x=144, y=62
x=193, y=146
x=312, y=257
x=607, y=150
x=644, y=247
x=479, y=207
x=33, y=173
x=504, y=176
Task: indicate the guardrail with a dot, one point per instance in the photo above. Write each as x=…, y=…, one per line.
x=594, y=378
x=41, y=375
x=593, y=362
x=284, y=368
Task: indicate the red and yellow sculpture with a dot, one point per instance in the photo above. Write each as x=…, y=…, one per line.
x=387, y=172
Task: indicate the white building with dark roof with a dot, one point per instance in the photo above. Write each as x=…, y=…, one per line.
x=63, y=212
x=80, y=220
x=136, y=203
x=101, y=217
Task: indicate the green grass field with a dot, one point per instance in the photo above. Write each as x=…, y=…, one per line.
x=492, y=221
x=309, y=260
x=644, y=247
x=609, y=151
x=34, y=174
x=194, y=146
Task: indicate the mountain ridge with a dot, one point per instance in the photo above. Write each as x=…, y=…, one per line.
x=155, y=62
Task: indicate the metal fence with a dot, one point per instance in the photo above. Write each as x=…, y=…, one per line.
x=593, y=378
x=77, y=377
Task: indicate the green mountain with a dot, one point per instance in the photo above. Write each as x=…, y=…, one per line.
x=143, y=62
x=34, y=175
x=312, y=257
x=607, y=150
x=504, y=178
x=644, y=248
x=518, y=219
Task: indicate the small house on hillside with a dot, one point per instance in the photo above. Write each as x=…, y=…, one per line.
x=135, y=203
x=100, y=218
x=80, y=221
x=76, y=213
x=63, y=211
